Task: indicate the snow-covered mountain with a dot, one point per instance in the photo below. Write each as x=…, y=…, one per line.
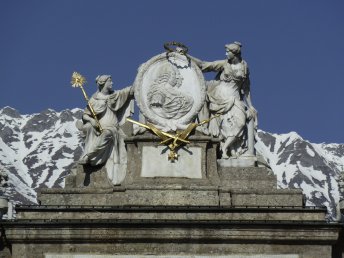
x=297, y=163
x=38, y=150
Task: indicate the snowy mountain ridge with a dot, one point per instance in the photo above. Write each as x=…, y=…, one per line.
x=297, y=163
x=38, y=150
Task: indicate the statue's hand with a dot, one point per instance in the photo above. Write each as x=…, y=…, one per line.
x=94, y=123
x=252, y=113
x=132, y=90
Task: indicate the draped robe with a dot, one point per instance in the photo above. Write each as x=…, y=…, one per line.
x=225, y=97
x=108, y=147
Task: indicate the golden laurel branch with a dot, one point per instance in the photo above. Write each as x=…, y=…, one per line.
x=77, y=82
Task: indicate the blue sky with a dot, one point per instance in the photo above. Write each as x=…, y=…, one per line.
x=295, y=51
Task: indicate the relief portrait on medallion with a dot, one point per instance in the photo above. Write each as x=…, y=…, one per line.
x=169, y=91
x=165, y=97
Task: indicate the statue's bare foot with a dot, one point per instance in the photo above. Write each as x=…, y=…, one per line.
x=234, y=154
x=224, y=155
x=83, y=160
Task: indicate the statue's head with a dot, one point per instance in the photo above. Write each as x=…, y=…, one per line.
x=104, y=82
x=175, y=79
x=233, y=50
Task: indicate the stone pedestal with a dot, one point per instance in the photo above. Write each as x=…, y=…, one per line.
x=206, y=184
x=243, y=161
x=85, y=176
x=149, y=164
x=255, y=186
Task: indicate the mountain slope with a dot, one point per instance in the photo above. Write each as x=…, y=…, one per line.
x=300, y=164
x=37, y=150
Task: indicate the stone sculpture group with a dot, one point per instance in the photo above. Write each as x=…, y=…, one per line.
x=183, y=181
x=171, y=93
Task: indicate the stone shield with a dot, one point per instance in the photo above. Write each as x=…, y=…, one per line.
x=170, y=91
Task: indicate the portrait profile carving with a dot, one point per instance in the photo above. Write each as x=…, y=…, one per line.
x=170, y=91
x=165, y=97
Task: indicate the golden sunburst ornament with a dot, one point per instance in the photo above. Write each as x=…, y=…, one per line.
x=77, y=80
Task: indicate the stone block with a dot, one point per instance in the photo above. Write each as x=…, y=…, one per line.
x=197, y=160
x=87, y=176
x=243, y=161
x=135, y=196
x=254, y=178
x=225, y=199
x=155, y=162
x=81, y=196
x=173, y=197
x=185, y=242
x=172, y=213
x=280, y=197
x=177, y=250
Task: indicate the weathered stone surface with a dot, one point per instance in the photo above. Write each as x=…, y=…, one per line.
x=82, y=199
x=5, y=252
x=172, y=213
x=55, y=255
x=155, y=162
x=148, y=218
x=242, y=161
x=173, y=241
x=183, y=249
x=88, y=176
x=4, y=248
x=254, y=178
x=171, y=233
x=219, y=186
x=207, y=159
x=147, y=197
x=173, y=197
x=280, y=197
x=145, y=215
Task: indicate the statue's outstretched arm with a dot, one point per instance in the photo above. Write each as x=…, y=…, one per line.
x=215, y=66
x=197, y=61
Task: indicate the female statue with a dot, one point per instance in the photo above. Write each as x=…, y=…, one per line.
x=107, y=147
x=229, y=98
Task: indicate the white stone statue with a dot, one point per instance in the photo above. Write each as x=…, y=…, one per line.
x=229, y=97
x=107, y=147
